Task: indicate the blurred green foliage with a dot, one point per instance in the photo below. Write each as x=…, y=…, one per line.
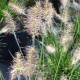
x=3, y=5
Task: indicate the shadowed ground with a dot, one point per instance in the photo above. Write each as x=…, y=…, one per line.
x=11, y=45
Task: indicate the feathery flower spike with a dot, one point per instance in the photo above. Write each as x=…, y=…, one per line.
x=50, y=49
x=17, y=67
x=76, y=55
x=17, y=8
x=11, y=25
x=63, y=77
x=33, y=22
x=32, y=60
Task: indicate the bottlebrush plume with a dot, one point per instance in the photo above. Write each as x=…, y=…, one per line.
x=40, y=18
x=69, y=26
x=10, y=22
x=17, y=67
x=63, y=77
x=50, y=49
x=76, y=55
x=33, y=22
x=48, y=13
x=32, y=53
x=47, y=17
x=32, y=57
x=65, y=14
x=66, y=41
x=67, y=36
x=17, y=8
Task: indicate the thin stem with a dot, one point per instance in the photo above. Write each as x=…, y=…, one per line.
x=26, y=78
x=40, y=58
x=58, y=66
x=29, y=78
x=42, y=49
x=11, y=54
x=33, y=40
x=1, y=76
x=73, y=70
x=17, y=42
x=19, y=77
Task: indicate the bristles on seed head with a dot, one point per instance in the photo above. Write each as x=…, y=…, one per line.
x=17, y=8
x=63, y=77
x=76, y=55
x=10, y=22
x=66, y=15
x=32, y=60
x=50, y=49
x=17, y=67
x=33, y=22
x=67, y=36
x=66, y=40
x=32, y=54
x=48, y=15
x=40, y=18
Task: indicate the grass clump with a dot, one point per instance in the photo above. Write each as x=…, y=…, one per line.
x=55, y=53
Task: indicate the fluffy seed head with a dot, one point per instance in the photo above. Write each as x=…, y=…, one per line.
x=33, y=22
x=50, y=49
x=32, y=53
x=66, y=40
x=76, y=55
x=17, y=67
x=48, y=12
x=47, y=17
x=32, y=60
x=17, y=8
x=63, y=77
x=10, y=22
x=39, y=18
x=66, y=15
x=67, y=36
